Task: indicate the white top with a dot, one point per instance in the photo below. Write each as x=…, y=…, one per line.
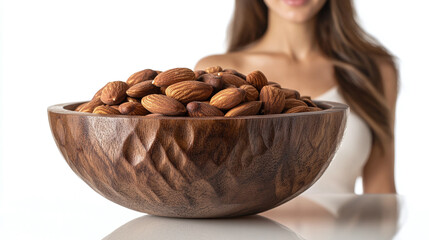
x=351, y=156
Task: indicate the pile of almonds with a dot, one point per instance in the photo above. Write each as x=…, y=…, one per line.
x=202, y=93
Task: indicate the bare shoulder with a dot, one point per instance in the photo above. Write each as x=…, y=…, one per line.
x=389, y=76
x=227, y=60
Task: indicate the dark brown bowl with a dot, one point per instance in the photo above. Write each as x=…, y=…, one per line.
x=199, y=167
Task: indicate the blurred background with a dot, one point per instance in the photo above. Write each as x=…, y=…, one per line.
x=63, y=51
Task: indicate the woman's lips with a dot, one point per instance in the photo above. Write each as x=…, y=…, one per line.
x=295, y=2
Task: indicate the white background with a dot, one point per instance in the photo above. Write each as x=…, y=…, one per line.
x=63, y=51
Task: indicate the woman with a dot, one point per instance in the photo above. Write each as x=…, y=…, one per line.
x=317, y=48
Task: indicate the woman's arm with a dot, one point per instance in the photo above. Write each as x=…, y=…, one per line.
x=379, y=171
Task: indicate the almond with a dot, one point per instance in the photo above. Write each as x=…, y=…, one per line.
x=257, y=79
x=227, y=85
x=132, y=108
x=154, y=115
x=228, y=98
x=215, y=81
x=114, y=92
x=298, y=109
x=91, y=105
x=214, y=69
x=172, y=76
x=303, y=109
x=290, y=93
x=274, y=84
x=106, y=110
x=291, y=103
x=201, y=109
x=252, y=93
x=273, y=99
x=232, y=71
x=315, y=109
x=98, y=93
x=199, y=73
x=130, y=99
x=245, y=109
x=188, y=91
x=142, y=89
x=144, y=75
x=308, y=101
x=158, y=103
x=210, y=92
x=78, y=108
x=232, y=79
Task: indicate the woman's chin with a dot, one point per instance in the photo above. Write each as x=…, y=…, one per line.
x=296, y=17
x=296, y=11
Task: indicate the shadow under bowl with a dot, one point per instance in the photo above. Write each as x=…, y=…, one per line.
x=199, y=167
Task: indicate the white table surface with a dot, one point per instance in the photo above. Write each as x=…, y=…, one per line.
x=334, y=216
x=310, y=217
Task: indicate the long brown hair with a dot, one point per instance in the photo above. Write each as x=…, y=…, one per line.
x=343, y=41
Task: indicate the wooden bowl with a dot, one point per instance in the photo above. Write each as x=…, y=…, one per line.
x=199, y=167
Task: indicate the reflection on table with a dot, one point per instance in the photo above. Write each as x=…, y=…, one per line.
x=306, y=217
x=346, y=216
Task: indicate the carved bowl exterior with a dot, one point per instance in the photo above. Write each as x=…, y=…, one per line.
x=199, y=167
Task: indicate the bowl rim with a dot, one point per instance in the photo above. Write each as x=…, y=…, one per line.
x=328, y=107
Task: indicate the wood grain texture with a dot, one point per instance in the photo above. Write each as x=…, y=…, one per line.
x=199, y=167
